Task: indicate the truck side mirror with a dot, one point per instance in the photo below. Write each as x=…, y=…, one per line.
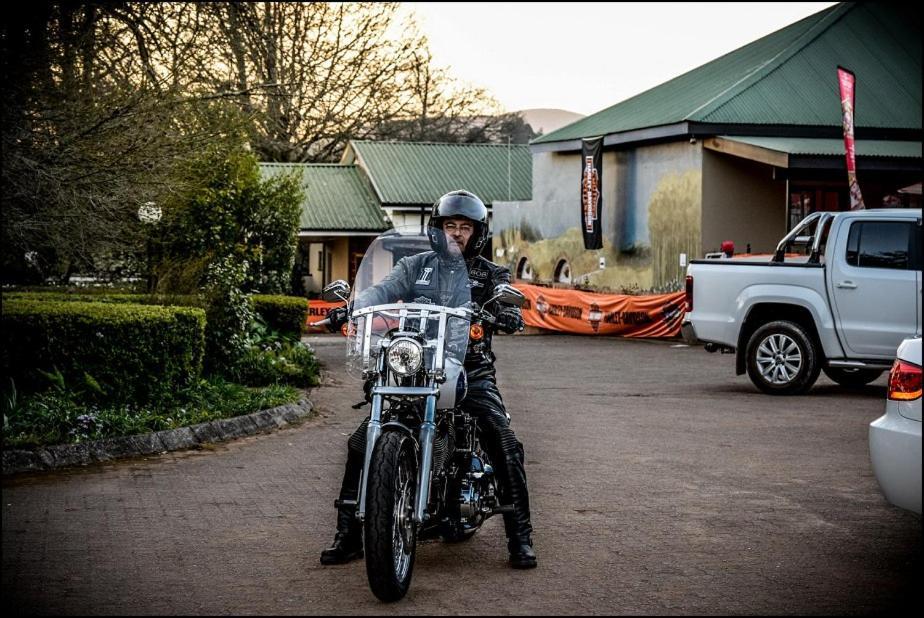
x=337, y=290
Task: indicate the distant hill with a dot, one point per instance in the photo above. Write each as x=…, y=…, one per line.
x=547, y=120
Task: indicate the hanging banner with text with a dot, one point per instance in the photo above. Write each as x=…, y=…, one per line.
x=318, y=310
x=591, y=192
x=590, y=313
x=847, y=82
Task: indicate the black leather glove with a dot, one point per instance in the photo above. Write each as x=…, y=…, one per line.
x=510, y=321
x=338, y=317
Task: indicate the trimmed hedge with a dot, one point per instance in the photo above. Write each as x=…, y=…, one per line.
x=134, y=352
x=285, y=314
x=138, y=299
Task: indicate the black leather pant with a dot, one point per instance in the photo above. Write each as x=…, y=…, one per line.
x=485, y=404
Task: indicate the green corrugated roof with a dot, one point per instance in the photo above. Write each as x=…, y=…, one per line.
x=420, y=172
x=832, y=147
x=337, y=197
x=788, y=78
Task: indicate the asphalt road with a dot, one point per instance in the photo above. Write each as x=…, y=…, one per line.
x=660, y=484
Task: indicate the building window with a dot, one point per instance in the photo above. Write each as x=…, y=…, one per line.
x=803, y=201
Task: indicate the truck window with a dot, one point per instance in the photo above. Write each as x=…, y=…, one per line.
x=880, y=244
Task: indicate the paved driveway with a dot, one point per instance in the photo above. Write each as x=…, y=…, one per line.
x=661, y=484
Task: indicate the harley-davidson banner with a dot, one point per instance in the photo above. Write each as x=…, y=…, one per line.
x=590, y=313
x=591, y=192
x=847, y=82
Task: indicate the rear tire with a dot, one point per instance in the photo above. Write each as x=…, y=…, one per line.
x=390, y=530
x=852, y=378
x=782, y=358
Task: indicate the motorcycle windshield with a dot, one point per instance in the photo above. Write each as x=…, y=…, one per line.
x=405, y=288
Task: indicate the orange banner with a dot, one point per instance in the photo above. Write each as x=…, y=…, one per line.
x=590, y=313
x=318, y=310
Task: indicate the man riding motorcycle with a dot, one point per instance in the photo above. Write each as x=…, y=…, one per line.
x=458, y=224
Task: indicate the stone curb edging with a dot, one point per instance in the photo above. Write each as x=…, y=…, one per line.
x=67, y=455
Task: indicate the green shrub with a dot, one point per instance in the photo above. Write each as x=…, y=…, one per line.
x=56, y=417
x=174, y=300
x=290, y=363
x=229, y=314
x=114, y=352
x=285, y=314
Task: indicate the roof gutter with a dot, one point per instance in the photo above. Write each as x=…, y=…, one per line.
x=702, y=130
x=651, y=134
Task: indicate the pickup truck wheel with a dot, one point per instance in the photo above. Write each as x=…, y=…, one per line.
x=852, y=378
x=782, y=359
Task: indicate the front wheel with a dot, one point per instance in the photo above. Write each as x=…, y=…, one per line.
x=852, y=378
x=390, y=530
x=782, y=358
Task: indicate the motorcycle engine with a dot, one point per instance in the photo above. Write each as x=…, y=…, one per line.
x=476, y=487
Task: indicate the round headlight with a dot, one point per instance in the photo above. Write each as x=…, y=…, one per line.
x=405, y=356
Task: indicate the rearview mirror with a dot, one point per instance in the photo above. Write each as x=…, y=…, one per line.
x=509, y=295
x=338, y=290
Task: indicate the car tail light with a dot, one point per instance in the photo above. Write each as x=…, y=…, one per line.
x=904, y=381
x=689, y=293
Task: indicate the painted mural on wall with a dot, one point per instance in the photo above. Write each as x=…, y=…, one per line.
x=652, y=215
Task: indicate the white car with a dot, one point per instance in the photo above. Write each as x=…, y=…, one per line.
x=895, y=437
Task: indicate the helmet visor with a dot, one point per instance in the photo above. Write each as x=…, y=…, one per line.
x=461, y=206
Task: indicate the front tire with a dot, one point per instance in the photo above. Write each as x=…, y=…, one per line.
x=852, y=378
x=390, y=530
x=782, y=358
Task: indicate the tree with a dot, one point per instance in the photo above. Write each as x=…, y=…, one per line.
x=231, y=213
x=93, y=128
x=314, y=75
x=106, y=107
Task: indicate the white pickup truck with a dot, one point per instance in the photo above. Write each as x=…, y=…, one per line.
x=840, y=294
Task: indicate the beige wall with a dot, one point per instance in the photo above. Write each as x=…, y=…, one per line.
x=340, y=258
x=651, y=214
x=337, y=251
x=741, y=203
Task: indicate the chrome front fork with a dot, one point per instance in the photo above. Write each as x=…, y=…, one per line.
x=373, y=430
x=426, y=436
x=427, y=431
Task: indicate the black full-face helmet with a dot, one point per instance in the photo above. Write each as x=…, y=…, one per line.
x=459, y=204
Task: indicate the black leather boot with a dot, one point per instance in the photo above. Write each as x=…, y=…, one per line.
x=348, y=542
x=522, y=555
x=517, y=523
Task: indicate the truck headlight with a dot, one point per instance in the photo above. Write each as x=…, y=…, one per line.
x=404, y=356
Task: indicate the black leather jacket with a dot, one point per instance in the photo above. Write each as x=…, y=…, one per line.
x=432, y=278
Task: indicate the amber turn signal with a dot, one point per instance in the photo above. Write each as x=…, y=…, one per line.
x=476, y=332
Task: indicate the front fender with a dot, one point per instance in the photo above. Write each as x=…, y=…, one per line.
x=396, y=426
x=753, y=300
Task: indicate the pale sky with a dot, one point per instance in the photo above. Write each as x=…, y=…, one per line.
x=584, y=57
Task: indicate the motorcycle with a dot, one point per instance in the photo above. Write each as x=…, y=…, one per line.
x=425, y=473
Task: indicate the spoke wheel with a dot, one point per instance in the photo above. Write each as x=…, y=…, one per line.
x=390, y=530
x=782, y=358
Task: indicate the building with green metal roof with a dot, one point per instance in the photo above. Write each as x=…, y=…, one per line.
x=378, y=185
x=408, y=177
x=739, y=149
x=340, y=216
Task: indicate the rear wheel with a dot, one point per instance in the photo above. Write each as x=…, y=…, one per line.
x=782, y=358
x=852, y=378
x=390, y=531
